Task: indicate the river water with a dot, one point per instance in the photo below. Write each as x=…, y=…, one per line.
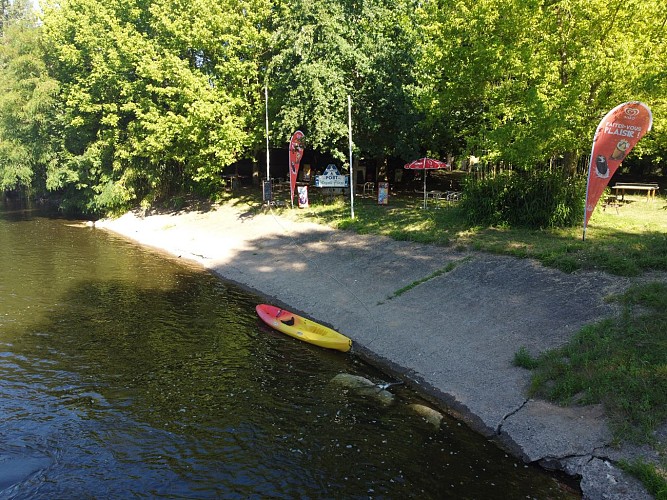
x=126, y=374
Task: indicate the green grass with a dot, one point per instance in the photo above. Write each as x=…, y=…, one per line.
x=619, y=362
x=523, y=359
x=653, y=479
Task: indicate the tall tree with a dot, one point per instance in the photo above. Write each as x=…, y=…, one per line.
x=327, y=50
x=28, y=101
x=530, y=79
x=158, y=94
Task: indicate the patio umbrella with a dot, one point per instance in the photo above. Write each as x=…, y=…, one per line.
x=425, y=164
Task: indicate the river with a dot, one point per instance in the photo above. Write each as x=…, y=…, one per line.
x=127, y=374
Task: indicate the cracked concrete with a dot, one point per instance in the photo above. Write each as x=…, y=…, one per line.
x=513, y=412
x=453, y=337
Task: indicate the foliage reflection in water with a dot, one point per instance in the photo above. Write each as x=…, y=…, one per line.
x=125, y=373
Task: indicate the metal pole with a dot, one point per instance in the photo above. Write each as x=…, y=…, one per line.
x=349, y=121
x=266, y=103
x=424, y=172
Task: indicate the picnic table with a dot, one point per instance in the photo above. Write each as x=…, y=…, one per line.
x=650, y=189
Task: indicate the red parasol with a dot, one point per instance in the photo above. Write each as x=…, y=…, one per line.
x=425, y=164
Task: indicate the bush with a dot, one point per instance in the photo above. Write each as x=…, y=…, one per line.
x=524, y=199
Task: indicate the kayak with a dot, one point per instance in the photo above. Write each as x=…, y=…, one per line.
x=301, y=328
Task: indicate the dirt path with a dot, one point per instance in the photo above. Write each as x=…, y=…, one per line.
x=454, y=335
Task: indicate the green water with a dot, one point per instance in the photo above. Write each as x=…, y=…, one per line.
x=126, y=374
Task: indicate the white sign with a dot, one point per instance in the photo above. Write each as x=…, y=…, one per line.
x=331, y=178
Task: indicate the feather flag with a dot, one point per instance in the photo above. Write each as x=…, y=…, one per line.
x=616, y=135
x=296, y=146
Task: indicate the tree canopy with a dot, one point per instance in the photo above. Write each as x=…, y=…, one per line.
x=530, y=79
x=113, y=103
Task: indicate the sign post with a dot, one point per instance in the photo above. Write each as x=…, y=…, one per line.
x=349, y=127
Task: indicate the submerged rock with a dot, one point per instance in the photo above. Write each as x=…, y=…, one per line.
x=432, y=416
x=363, y=387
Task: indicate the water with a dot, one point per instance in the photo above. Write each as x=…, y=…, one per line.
x=125, y=374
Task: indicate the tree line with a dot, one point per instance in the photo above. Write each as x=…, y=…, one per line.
x=110, y=104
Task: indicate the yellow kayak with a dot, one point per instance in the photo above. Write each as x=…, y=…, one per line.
x=303, y=329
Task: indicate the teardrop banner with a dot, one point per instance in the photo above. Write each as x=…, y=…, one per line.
x=296, y=146
x=615, y=137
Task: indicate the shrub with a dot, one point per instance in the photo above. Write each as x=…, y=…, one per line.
x=537, y=199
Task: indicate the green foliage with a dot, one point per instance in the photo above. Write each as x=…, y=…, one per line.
x=618, y=362
x=334, y=48
x=523, y=359
x=15, y=168
x=524, y=199
x=157, y=98
x=654, y=481
x=28, y=106
x=526, y=81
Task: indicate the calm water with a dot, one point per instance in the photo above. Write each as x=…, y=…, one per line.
x=126, y=374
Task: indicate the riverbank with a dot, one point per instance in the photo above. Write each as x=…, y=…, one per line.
x=454, y=336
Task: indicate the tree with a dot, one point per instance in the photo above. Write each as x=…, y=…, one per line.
x=529, y=80
x=158, y=94
x=28, y=104
x=325, y=51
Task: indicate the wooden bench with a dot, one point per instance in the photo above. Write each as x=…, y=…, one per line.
x=650, y=189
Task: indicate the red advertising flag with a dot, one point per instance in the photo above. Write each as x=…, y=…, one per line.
x=296, y=145
x=616, y=135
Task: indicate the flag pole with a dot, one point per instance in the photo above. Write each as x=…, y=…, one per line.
x=349, y=127
x=588, y=182
x=266, y=108
x=424, y=172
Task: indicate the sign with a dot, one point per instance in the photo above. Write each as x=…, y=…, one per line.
x=303, y=196
x=296, y=146
x=331, y=178
x=267, y=194
x=616, y=135
x=383, y=193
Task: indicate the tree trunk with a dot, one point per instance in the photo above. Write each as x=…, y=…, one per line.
x=570, y=159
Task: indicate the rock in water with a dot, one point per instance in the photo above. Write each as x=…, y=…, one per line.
x=432, y=416
x=363, y=387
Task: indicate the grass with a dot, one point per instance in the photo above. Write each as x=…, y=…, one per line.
x=619, y=362
x=449, y=267
x=655, y=481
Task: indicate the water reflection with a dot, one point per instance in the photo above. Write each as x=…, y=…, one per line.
x=127, y=374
